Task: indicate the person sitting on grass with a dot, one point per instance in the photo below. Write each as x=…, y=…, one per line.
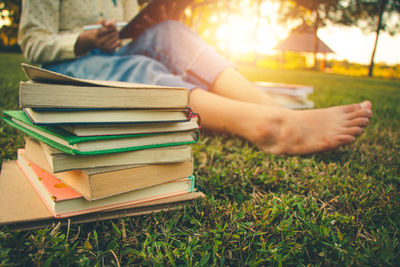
x=169, y=53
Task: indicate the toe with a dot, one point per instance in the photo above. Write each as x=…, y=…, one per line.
x=366, y=104
x=361, y=113
x=345, y=139
x=362, y=122
x=354, y=131
x=352, y=108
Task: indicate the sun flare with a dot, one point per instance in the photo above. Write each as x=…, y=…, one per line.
x=247, y=28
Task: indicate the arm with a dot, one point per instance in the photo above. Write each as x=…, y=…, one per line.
x=43, y=41
x=106, y=38
x=39, y=35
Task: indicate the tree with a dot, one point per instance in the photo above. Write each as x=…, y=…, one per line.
x=10, y=12
x=315, y=13
x=373, y=16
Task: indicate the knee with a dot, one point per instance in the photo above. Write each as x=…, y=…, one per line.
x=171, y=27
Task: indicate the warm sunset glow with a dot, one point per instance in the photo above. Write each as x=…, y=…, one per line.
x=188, y=12
x=4, y=18
x=249, y=28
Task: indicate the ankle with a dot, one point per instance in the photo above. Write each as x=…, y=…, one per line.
x=269, y=129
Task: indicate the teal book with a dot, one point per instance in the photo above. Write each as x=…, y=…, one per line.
x=94, y=145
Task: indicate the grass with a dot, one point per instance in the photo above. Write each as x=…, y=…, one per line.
x=333, y=208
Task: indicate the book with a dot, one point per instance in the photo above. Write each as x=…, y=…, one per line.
x=48, y=89
x=154, y=12
x=94, y=145
x=292, y=96
x=63, y=201
x=138, y=128
x=106, y=116
x=293, y=102
x=25, y=209
x=101, y=182
x=60, y=161
x=286, y=89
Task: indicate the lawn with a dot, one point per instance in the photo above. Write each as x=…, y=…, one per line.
x=333, y=208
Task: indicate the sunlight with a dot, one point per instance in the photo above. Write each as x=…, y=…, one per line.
x=4, y=18
x=188, y=12
x=251, y=29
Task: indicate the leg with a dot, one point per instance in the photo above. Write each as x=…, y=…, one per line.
x=281, y=131
x=128, y=68
x=184, y=53
x=230, y=83
x=273, y=129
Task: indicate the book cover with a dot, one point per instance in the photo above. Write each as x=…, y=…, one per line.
x=49, y=95
x=291, y=96
x=25, y=209
x=62, y=201
x=285, y=89
x=41, y=91
x=102, y=182
x=94, y=145
x=156, y=11
x=106, y=116
x=61, y=162
x=40, y=75
x=138, y=128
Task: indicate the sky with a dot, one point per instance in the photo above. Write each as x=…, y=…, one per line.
x=244, y=32
x=349, y=43
x=352, y=44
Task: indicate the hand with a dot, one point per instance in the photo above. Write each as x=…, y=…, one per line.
x=162, y=13
x=105, y=39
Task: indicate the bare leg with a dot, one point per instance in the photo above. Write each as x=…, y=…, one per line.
x=282, y=131
x=231, y=84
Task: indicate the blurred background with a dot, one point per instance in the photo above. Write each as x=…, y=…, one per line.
x=351, y=37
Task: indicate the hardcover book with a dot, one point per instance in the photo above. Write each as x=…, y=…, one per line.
x=63, y=201
x=60, y=161
x=139, y=128
x=154, y=12
x=101, y=182
x=106, y=116
x=25, y=209
x=48, y=89
x=292, y=96
x=94, y=145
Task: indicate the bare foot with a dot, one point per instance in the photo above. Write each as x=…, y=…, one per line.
x=309, y=131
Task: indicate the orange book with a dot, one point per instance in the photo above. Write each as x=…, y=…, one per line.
x=63, y=202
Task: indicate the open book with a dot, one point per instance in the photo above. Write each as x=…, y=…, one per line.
x=154, y=12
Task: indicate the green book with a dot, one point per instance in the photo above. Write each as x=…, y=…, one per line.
x=94, y=145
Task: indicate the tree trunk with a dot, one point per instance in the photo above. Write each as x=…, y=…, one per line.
x=316, y=43
x=378, y=30
x=315, y=46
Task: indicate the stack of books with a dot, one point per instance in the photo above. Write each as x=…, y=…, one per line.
x=292, y=96
x=101, y=147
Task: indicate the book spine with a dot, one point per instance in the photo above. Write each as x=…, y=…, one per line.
x=192, y=183
x=40, y=137
x=195, y=115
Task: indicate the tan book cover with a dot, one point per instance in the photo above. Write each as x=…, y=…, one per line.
x=63, y=201
x=22, y=208
x=97, y=183
x=47, y=89
x=42, y=75
x=60, y=161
